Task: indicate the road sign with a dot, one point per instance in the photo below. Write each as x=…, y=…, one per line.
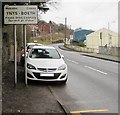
x=27, y=14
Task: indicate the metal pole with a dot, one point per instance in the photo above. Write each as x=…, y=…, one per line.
x=25, y=54
x=15, y=55
x=109, y=33
x=22, y=35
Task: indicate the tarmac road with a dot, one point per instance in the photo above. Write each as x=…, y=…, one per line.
x=92, y=84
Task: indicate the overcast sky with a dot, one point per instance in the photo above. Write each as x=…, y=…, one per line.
x=87, y=14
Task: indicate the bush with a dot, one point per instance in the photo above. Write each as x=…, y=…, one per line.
x=81, y=44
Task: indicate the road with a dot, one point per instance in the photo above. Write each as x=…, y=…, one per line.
x=92, y=84
x=92, y=87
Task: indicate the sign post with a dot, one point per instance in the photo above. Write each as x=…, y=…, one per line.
x=15, y=55
x=24, y=26
x=18, y=14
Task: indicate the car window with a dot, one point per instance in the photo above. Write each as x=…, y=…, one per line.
x=44, y=53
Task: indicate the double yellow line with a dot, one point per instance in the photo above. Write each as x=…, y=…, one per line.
x=88, y=111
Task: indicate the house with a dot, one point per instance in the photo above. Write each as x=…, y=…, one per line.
x=80, y=34
x=102, y=38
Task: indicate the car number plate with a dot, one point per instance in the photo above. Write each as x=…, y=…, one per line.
x=47, y=74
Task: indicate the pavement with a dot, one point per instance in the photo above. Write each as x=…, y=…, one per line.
x=95, y=55
x=0, y=80
x=34, y=98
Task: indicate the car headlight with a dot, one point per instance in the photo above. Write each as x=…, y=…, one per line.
x=63, y=67
x=29, y=66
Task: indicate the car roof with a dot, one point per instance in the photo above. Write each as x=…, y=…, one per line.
x=43, y=46
x=33, y=44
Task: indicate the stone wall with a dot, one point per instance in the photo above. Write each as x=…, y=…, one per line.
x=114, y=51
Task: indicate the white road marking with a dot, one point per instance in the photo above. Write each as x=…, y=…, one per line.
x=73, y=61
x=96, y=70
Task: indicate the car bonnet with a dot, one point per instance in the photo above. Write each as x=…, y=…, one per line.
x=46, y=63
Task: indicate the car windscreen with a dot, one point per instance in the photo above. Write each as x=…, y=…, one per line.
x=30, y=46
x=44, y=53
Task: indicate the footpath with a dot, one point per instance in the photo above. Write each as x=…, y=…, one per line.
x=35, y=98
x=95, y=55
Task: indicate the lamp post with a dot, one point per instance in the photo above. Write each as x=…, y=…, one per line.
x=109, y=34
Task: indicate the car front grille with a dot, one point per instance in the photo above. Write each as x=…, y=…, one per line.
x=37, y=75
x=47, y=69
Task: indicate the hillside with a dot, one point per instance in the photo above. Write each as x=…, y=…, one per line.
x=49, y=31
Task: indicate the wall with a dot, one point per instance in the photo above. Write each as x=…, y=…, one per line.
x=115, y=51
x=81, y=49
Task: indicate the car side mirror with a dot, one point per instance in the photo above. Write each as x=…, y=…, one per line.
x=62, y=56
x=26, y=54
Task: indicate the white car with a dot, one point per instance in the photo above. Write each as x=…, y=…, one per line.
x=28, y=47
x=45, y=63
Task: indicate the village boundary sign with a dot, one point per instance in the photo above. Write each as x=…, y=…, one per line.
x=24, y=14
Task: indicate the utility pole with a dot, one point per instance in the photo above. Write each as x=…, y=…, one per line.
x=65, y=29
x=50, y=24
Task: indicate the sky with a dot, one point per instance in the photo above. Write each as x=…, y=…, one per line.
x=85, y=14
